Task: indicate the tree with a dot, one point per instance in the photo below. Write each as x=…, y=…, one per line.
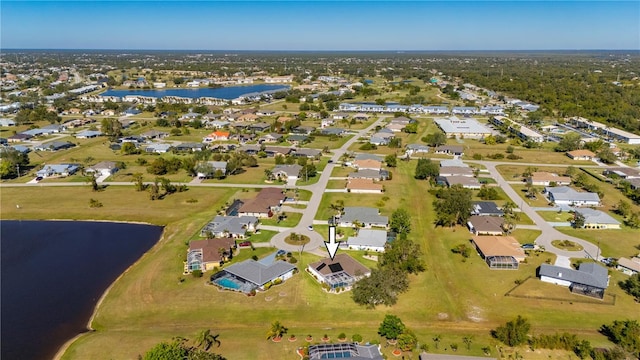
x=391, y=160
x=206, y=339
x=514, y=332
x=488, y=193
x=400, y=221
x=382, y=287
x=308, y=171
x=436, y=139
x=436, y=340
x=633, y=221
x=129, y=148
x=453, y=206
x=632, y=286
x=569, y=142
x=425, y=168
x=625, y=333
x=467, y=340
x=578, y=221
x=137, y=178
x=10, y=161
x=607, y=156
x=407, y=341
x=411, y=128
x=404, y=255
x=623, y=208
x=277, y=330
x=391, y=327
x=93, y=182
x=179, y=349
x=268, y=174
x=111, y=128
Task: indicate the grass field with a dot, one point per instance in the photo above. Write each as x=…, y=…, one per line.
x=454, y=297
x=613, y=242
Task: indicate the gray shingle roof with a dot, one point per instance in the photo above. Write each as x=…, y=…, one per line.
x=258, y=273
x=592, y=216
x=364, y=215
x=590, y=274
x=565, y=193
x=374, y=238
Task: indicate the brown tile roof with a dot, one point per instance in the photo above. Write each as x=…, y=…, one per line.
x=368, y=164
x=484, y=224
x=347, y=263
x=363, y=184
x=266, y=198
x=499, y=246
x=580, y=153
x=211, y=248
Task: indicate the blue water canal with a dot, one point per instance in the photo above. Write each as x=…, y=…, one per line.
x=227, y=93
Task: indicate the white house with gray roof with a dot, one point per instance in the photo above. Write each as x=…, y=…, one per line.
x=287, y=172
x=371, y=240
x=259, y=274
x=366, y=216
x=564, y=195
x=590, y=279
x=209, y=168
x=596, y=219
x=230, y=226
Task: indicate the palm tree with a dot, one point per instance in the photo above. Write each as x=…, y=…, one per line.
x=277, y=330
x=205, y=339
x=436, y=340
x=508, y=208
x=467, y=340
x=269, y=174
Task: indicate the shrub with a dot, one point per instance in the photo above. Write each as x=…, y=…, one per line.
x=196, y=273
x=342, y=336
x=93, y=203
x=356, y=338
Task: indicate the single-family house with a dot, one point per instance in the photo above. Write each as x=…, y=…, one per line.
x=287, y=172
x=303, y=130
x=367, y=164
x=340, y=116
x=88, y=134
x=158, y=148
x=544, y=178
x=340, y=273
x=308, y=153
x=216, y=136
x=465, y=181
x=499, y=252
x=590, y=279
x=367, y=239
x=271, y=138
x=259, y=127
x=297, y=140
x=216, y=124
x=210, y=169
x=154, y=134
x=455, y=150
x=251, y=275
x=54, y=146
x=634, y=183
x=412, y=149
x=189, y=147
x=367, y=217
x=381, y=137
x=333, y=131
x=486, y=225
x=277, y=150
x=5, y=122
x=629, y=266
x=19, y=137
x=345, y=350
x=564, y=195
x=103, y=168
x=264, y=204
x=395, y=127
x=369, y=174
x=229, y=226
x=326, y=123
x=208, y=254
x=456, y=171
x=486, y=208
x=581, y=155
x=364, y=186
x=625, y=173
x=596, y=219
x=361, y=117
x=52, y=170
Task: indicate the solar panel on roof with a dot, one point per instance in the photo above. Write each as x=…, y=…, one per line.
x=335, y=267
x=321, y=266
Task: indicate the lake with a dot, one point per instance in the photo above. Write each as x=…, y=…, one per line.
x=53, y=274
x=227, y=93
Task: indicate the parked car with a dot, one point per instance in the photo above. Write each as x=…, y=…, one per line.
x=245, y=243
x=310, y=228
x=281, y=253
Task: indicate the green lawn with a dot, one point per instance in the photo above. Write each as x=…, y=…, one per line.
x=544, y=155
x=454, y=297
x=555, y=216
x=292, y=220
x=612, y=242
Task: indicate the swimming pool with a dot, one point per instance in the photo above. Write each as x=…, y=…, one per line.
x=227, y=283
x=337, y=355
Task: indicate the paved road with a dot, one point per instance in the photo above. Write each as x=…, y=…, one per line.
x=548, y=232
x=317, y=190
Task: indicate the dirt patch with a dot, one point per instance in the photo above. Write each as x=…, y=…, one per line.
x=443, y=316
x=475, y=314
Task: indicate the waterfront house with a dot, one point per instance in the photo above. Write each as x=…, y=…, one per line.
x=208, y=254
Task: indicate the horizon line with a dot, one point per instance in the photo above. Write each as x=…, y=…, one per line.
x=319, y=50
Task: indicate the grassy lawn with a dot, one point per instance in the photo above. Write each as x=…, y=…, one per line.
x=539, y=201
x=544, y=155
x=454, y=297
x=526, y=236
x=554, y=216
x=263, y=236
x=614, y=242
x=321, y=141
x=292, y=220
x=336, y=184
x=514, y=172
x=342, y=171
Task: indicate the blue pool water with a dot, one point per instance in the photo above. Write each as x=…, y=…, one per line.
x=337, y=355
x=228, y=283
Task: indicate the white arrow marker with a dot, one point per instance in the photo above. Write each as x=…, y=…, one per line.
x=332, y=245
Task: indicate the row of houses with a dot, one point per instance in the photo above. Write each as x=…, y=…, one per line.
x=519, y=130
x=421, y=109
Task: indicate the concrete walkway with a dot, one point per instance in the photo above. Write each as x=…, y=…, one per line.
x=548, y=232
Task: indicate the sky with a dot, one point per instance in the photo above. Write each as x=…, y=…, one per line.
x=320, y=25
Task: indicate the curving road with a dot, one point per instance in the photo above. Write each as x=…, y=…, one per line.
x=317, y=190
x=549, y=233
